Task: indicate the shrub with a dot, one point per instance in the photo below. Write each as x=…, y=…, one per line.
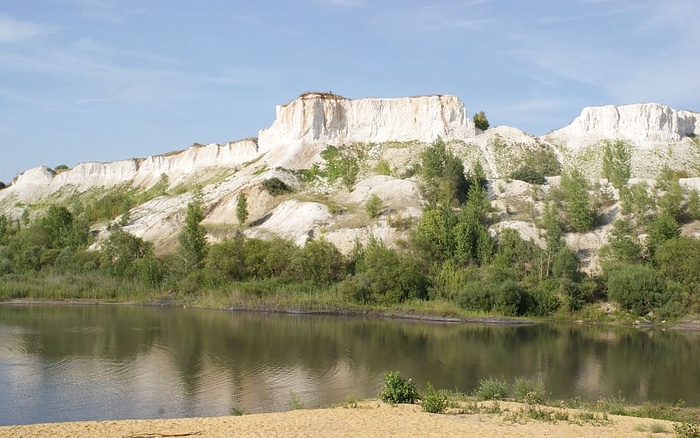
x=529, y=175
x=687, y=430
x=276, y=186
x=398, y=390
x=373, y=206
x=383, y=168
x=477, y=295
x=492, y=389
x=529, y=390
x=637, y=288
x=434, y=401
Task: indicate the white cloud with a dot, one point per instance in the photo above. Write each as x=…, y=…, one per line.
x=14, y=30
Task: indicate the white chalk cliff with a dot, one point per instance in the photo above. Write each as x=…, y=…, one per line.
x=393, y=130
x=644, y=125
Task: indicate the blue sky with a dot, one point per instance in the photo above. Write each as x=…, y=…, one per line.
x=103, y=80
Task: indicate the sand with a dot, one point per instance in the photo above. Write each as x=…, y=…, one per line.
x=366, y=419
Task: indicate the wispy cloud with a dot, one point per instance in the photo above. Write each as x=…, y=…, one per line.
x=14, y=30
x=90, y=101
x=27, y=99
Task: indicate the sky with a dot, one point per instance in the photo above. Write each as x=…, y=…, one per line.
x=106, y=80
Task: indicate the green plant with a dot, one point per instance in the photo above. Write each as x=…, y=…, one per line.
x=373, y=206
x=480, y=121
x=276, y=186
x=529, y=390
x=434, y=401
x=492, y=388
x=657, y=428
x=383, y=168
x=529, y=175
x=242, y=208
x=398, y=390
x=295, y=401
x=617, y=158
x=687, y=430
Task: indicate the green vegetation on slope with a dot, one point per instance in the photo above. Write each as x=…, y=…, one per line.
x=451, y=264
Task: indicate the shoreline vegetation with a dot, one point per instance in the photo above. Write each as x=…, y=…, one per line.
x=497, y=408
x=453, y=263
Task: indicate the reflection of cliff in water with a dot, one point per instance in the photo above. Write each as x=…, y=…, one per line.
x=151, y=362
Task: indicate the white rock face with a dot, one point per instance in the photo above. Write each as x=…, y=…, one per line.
x=329, y=119
x=645, y=125
x=40, y=182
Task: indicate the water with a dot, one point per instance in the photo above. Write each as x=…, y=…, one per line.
x=69, y=363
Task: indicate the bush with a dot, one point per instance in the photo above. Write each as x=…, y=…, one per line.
x=687, y=430
x=276, y=186
x=492, y=389
x=398, y=390
x=383, y=168
x=637, y=288
x=373, y=206
x=434, y=401
x=529, y=175
x=529, y=390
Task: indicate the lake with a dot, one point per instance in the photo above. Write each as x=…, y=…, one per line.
x=70, y=363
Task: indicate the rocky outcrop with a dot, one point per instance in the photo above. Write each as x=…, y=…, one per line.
x=331, y=119
x=644, y=125
x=41, y=182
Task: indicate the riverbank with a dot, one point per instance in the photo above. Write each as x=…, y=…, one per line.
x=369, y=418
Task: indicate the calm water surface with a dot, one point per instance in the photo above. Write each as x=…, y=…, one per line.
x=67, y=363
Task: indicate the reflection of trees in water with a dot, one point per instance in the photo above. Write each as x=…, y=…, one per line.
x=256, y=350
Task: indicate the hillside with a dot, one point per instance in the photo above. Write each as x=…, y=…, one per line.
x=392, y=132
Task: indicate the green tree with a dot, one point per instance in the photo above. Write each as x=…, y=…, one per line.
x=555, y=234
x=617, y=159
x=662, y=228
x=637, y=288
x=226, y=260
x=480, y=121
x=623, y=245
x=373, y=206
x=442, y=175
x=321, y=262
x=242, y=208
x=637, y=202
x=121, y=251
x=579, y=213
x=192, y=238
x=679, y=260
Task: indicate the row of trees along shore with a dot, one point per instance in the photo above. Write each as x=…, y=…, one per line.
x=451, y=263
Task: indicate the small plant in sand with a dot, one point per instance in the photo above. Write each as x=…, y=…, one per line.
x=398, y=390
x=492, y=389
x=295, y=401
x=434, y=401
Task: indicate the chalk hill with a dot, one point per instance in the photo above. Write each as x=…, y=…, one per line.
x=376, y=133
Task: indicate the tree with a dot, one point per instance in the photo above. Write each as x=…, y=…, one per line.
x=637, y=288
x=662, y=228
x=617, y=158
x=623, y=244
x=679, y=260
x=480, y=121
x=121, y=251
x=192, y=238
x=578, y=206
x=555, y=235
x=442, y=174
x=242, y=209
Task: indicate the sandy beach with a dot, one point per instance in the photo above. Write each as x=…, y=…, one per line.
x=366, y=419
